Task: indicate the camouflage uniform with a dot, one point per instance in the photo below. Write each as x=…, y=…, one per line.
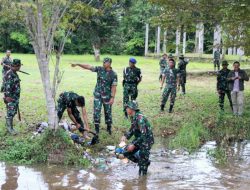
x=217, y=59
x=6, y=61
x=102, y=94
x=183, y=74
x=131, y=78
x=11, y=89
x=171, y=87
x=163, y=64
x=67, y=100
x=222, y=88
x=144, y=139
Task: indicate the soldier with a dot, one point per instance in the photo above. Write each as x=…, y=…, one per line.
x=71, y=101
x=172, y=81
x=12, y=89
x=131, y=78
x=217, y=59
x=6, y=63
x=139, y=150
x=183, y=73
x=163, y=64
x=104, y=93
x=222, y=85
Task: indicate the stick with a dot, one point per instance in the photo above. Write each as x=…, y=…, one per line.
x=18, y=113
x=18, y=71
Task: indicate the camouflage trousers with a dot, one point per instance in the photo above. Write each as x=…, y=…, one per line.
x=11, y=108
x=183, y=79
x=161, y=72
x=61, y=106
x=166, y=92
x=217, y=64
x=222, y=98
x=129, y=92
x=98, y=102
x=142, y=158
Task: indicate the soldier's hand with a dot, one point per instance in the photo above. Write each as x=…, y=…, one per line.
x=130, y=148
x=123, y=139
x=111, y=101
x=78, y=125
x=161, y=87
x=8, y=99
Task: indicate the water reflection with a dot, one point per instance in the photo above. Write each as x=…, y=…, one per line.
x=168, y=170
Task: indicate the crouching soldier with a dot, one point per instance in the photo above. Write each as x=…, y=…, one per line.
x=71, y=101
x=139, y=150
x=11, y=90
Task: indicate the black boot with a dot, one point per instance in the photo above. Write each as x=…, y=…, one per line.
x=97, y=127
x=9, y=125
x=109, y=129
x=162, y=107
x=170, y=109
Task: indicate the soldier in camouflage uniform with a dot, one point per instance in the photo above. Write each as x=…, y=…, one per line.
x=222, y=85
x=217, y=59
x=143, y=141
x=12, y=89
x=183, y=73
x=172, y=81
x=163, y=64
x=131, y=78
x=104, y=93
x=70, y=101
x=6, y=63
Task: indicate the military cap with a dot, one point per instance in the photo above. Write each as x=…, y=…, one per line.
x=132, y=105
x=107, y=59
x=16, y=62
x=132, y=60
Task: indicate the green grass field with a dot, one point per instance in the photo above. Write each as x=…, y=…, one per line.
x=194, y=114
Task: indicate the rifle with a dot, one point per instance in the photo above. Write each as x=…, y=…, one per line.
x=18, y=113
x=18, y=71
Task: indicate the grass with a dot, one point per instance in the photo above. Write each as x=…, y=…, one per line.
x=196, y=116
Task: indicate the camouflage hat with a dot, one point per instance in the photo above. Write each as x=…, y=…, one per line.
x=107, y=59
x=132, y=60
x=224, y=62
x=132, y=105
x=16, y=62
x=181, y=56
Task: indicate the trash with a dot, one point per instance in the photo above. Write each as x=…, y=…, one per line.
x=110, y=148
x=122, y=144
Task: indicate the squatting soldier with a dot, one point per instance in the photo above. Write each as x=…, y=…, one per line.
x=6, y=63
x=104, y=93
x=183, y=73
x=144, y=138
x=217, y=59
x=222, y=85
x=131, y=78
x=172, y=79
x=70, y=101
x=163, y=64
x=12, y=89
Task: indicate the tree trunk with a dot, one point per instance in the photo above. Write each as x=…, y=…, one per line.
x=177, y=41
x=230, y=51
x=158, y=51
x=201, y=38
x=217, y=38
x=96, y=49
x=184, y=42
x=234, y=51
x=165, y=42
x=146, y=39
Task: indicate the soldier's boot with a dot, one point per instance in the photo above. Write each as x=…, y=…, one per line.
x=97, y=128
x=183, y=89
x=162, y=107
x=171, y=109
x=9, y=125
x=143, y=170
x=109, y=129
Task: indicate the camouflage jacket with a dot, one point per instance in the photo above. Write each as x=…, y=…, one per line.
x=132, y=75
x=163, y=64
x=217, y=55
x=68, y=99
x=11, y=85
x=141, y=129
x=171, y=77
x=222, y=83
x=182, y=66
x=105, y=81
x=6, y=61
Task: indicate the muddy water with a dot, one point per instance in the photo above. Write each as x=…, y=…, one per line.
x=168, y=170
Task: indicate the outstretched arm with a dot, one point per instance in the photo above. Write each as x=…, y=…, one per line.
x=85, y=118
x=84, y=66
